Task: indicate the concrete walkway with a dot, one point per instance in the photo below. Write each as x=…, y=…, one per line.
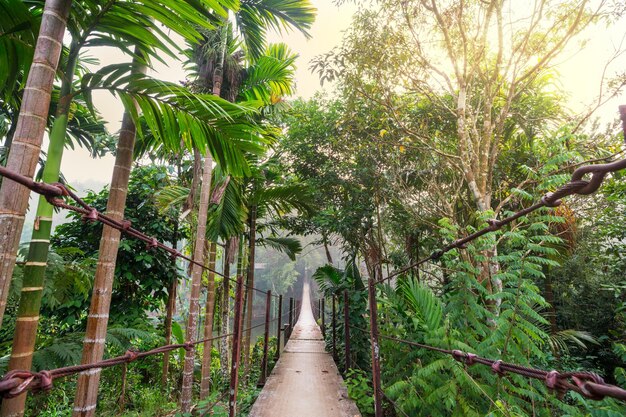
x=305, y=382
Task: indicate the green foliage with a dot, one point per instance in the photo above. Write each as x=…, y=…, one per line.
x=359, y=387
x=141, y=277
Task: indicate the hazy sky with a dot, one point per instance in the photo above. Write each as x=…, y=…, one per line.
x=581, y=69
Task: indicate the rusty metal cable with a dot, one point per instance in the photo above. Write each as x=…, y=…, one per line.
x=16, y=382
x=55, y=193
x=587, y=384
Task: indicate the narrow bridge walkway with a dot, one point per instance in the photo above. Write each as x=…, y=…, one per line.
x=305, y=382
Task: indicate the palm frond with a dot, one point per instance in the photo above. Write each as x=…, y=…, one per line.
x=173, y=114
x=288, y=245
x=256, y=17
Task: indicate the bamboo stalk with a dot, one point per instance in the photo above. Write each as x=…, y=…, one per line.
x=196, y=281
x=37, y=258
x=26, y=144
x=205, y=381
x=98, y=319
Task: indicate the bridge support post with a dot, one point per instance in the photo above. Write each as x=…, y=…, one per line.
x=322, y=317
x=346, y=327
x=279, y=325
x=334, y=327
x=266, y=338
x=291, y=308
x=378, y=410
x=237, y=330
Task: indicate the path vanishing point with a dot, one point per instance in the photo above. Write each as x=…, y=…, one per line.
x=305, y=381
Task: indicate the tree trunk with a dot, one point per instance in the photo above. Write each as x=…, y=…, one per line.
x=98, y=319
x=169, y=318
x=205, y=381
x=37, y=259
x=329, y=258
x=196, y=282
x=224, y=311
x=29, y=132
x=250, y=285
x=171, y=295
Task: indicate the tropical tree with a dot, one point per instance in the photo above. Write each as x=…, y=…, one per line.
x=253, y=19
x=28, y=135
x=477, y=66
x=98, y=24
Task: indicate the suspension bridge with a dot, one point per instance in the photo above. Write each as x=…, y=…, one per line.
x=305, y=381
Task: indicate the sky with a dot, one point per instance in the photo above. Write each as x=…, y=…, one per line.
x=580, y=69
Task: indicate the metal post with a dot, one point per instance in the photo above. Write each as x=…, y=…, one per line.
x=237, y=328
x=298, y=308
x=334, y=325
x=346, y=326
x=279, y=325
x=266, y=339
x=322, y=317
x=378, y=410
x=291, y=308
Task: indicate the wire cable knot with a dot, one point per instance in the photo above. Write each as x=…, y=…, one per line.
x=583, y=380
x=45, y=380
x=467, y=358
x=496, y=367
x=436, y=255
x=552, y=378
x=92, y=216
x=131, y=355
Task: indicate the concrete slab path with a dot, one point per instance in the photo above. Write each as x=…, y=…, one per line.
x=305, y=382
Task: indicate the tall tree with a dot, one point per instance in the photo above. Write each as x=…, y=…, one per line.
x=474, y=67
x=93, y=344
x=196, y=282
x=28, y=136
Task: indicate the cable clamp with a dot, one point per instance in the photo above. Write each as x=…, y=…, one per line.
x=92, y=216
x=551, y=379
x=496, y=367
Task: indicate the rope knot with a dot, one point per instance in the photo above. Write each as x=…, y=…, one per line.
x=176, y=254
x=126, y=224
x=189, y=346
x=494, y=224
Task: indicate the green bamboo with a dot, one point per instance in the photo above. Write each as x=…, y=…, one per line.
x=37, y=259
x=28, y=136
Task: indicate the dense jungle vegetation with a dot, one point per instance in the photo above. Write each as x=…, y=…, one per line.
x=437, y=117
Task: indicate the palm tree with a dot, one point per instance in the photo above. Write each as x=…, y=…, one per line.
x=28, y=136
x=270, y=76
x=268, y=196
x=112, y=23
x=253, y=19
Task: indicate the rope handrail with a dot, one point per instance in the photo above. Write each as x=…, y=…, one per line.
x=54, y=194
x=576, y=185
x=16, y=382
x=587, y=384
